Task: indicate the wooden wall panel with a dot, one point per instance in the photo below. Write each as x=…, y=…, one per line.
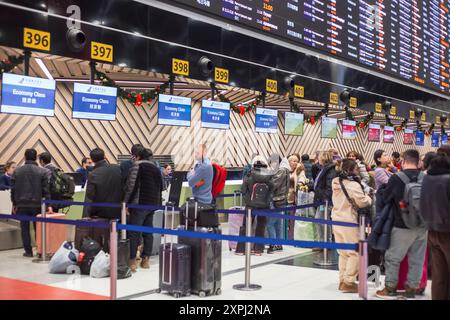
x=68, y=140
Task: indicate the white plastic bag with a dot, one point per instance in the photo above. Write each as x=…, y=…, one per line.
x=100, y=266
x=65, y=257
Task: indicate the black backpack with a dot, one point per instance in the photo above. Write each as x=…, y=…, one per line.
x=90, y=248
x=62, y=186
x=260, y=197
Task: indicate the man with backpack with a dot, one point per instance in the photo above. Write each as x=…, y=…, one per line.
x=62, y=185
x=200, y=178
x=257, y=188
x=408, y=235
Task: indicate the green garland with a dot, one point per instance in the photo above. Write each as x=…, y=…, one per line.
x=136, y=98
x=241, y=108
x=10, y=63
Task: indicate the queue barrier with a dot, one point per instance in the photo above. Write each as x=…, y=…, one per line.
x=114, y=227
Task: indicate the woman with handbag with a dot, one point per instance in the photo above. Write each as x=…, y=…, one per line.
x=349, y=201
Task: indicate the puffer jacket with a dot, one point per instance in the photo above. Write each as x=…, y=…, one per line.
x=435, y=200
x=144, y=184
x=380, y=237
x=280, y=182
x=322, y=189
x=342, y=208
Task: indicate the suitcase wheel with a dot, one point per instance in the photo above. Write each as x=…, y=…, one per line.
x=218, y=292
x=201, y=294
x=158, y=290
x=176, y=295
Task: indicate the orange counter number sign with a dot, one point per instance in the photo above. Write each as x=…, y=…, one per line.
x=101, y=51
x=36, y=39
x=271, y=85
x=180, y=67
x=299, y=91
x=334, y=98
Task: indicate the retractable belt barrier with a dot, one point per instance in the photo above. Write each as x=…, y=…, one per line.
x=192, y=234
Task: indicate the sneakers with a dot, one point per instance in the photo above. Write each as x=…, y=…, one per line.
x=349, y=287
x=133, y=265
x=410, y=293
x=145, y=263
x=387, y=293
x=279, y=248
x=271, y=249
x=28, y=254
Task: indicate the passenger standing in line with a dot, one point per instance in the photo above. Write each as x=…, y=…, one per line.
x=200, y=178
x=144, y=187
x=435, y=209
x=167, y=176
x=323, y=190
x=292, y=194
x=404, y=241
x=45, y=161
x=308, y=167
x=280, y=182
x=257, y=189
x=385, y=168
x=396, y=160
x=316, y=167
x=86, y=164
x=104, y=185
x=353, y=155
x=345, y=210
x=5, y=179
x=126, y=165
x=29, y=184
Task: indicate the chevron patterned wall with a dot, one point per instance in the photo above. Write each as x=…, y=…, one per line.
x=68, y=140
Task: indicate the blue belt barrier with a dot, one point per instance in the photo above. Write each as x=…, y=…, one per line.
x=84, y=204
x=304, y=206
x=82, y=223
x=226, y=195
x=215, y=236
x=321, y=221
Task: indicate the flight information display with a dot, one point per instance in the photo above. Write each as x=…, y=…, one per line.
x=406, y=38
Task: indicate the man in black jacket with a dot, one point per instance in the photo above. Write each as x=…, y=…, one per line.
x=144, y=187
x=29, y=184
x=104, y=185
x=126, y=165
x=435, y=209
x=404, y=241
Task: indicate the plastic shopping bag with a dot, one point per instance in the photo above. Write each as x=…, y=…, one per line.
x=100, y=266
x=65, y=257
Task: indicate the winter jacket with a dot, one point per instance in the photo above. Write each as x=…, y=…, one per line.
x=280, y=182
x=144, y=184
x=435, y=200
x=342, y=208
x=315, y=169
x=308, y=169
x=322, y=186
x=5, y=182
x=257, y=175
x=104, y=185
x=29, y=184
x=363, y=172
x=380, y=237
x=382, y=176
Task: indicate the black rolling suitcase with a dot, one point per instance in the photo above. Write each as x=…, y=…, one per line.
x=174, y=266
x=206, y=261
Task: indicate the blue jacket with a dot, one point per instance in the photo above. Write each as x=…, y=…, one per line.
x=200, y=180
x=380, y=237
x=5, y=182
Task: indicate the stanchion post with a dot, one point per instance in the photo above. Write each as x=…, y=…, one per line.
x=247, y=286
x=113, y=262
x=43, y=232
x=363, y=258
x=123, y=233
x=325, y=233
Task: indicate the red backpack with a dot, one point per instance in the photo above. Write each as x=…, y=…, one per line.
x=219, y=178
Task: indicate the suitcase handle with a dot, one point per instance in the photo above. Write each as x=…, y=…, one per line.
x=171, y=246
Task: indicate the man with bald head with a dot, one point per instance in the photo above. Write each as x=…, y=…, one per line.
x=200, y=178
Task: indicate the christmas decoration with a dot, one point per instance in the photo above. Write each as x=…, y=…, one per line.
x=365, y=122
x=136, y=98
x=241, y=108
x=10, y=63
x=402, y=125
x=348, y=114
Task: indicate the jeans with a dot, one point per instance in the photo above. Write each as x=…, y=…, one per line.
x=139, y=217
x=259, y=232
x=439, y=243
x=411, y=242
x=25, y=226
x=275, y=225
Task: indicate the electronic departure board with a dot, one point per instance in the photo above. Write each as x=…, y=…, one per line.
x=406, y=38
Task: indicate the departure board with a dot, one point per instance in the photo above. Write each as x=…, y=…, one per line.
x=406, y=38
